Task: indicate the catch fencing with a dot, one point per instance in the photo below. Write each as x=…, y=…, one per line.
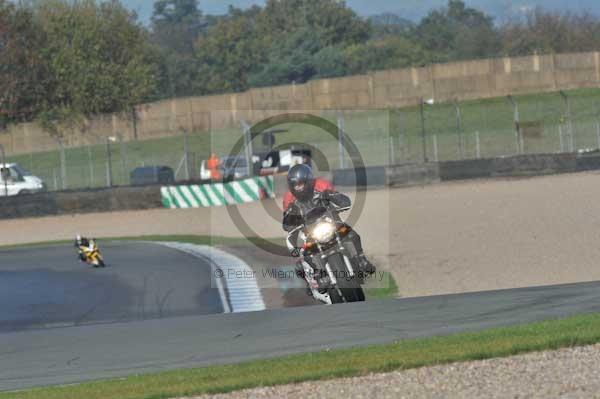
x=558, y=122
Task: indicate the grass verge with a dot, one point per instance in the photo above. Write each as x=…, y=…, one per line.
x=384, y=287
x=574, y=331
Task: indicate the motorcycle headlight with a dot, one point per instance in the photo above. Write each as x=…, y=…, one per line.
x=323, y=232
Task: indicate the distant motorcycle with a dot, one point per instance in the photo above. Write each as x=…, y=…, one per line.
x=323, y=234
x=91, y=254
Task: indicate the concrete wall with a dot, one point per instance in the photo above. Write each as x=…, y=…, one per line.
x=392, y=88
x=428, y=173
x=520, y=165
x=90, y=201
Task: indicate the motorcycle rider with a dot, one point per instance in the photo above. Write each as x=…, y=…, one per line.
x=82, y=242
x=304, y=194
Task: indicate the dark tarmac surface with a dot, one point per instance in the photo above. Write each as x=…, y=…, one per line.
x=48, y=286
x=79, y=353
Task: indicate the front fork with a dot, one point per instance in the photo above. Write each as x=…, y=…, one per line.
x=344, y=253
x=342, y=250
x=323, y=264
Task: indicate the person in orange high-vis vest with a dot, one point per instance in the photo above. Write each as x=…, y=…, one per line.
x=213, y=165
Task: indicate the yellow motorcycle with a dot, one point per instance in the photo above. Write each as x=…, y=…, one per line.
x=91, y=254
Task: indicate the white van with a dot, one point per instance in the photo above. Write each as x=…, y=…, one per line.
x=15, y=180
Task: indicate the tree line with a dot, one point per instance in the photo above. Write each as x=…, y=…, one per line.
x=64, y=60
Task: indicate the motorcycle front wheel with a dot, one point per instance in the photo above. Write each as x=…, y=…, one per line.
x=348, y=288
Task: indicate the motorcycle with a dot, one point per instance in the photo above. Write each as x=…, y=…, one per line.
x=333, y=277
x=91, y=254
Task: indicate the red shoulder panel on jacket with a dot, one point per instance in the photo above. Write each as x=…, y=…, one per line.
x=323, y=185
x=288, y=198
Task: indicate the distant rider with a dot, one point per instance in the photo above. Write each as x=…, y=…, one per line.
x=304, y=195
x=82, y=242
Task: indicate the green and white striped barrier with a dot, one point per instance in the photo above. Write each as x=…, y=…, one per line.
x=218, y=194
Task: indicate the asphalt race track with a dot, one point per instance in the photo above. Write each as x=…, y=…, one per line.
x=72, y=354
x=48, y=286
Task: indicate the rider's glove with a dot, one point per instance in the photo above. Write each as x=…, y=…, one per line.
x=325, y=196
x=296, y=252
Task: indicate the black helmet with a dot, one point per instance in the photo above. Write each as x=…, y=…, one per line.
x=301, y=182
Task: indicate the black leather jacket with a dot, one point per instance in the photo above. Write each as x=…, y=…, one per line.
x=294, y=215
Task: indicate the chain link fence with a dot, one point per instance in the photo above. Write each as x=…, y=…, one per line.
x=545, y=123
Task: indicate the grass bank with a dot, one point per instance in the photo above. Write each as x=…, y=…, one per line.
x=574, y=331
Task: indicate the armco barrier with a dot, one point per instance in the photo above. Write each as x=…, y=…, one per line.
x=467, y=169
x=186, y=196
x=589, y=161
x=380, y=176
x=370, y=176
x=534, y=164
x=519, y=165
x=70, y=202
x=412, y=174
x=218, y=194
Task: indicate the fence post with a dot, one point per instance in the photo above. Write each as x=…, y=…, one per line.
x=516, y=119
x=63, y=165
x=423, y=137
x=340, y=123
x=91, y=165
x=392, y=160
x=186, y=151
x=435, y=148
x=402, y=146
x=109, y=178
x=459, y=132
x=123, y=156
x=567, y=101
x=403, y=140
x=560, y=137
x=134, y=118
x=400, y=135
x=247, y=131
x=477, y=145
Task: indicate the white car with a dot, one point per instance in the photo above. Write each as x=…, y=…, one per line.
x=15, y=180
